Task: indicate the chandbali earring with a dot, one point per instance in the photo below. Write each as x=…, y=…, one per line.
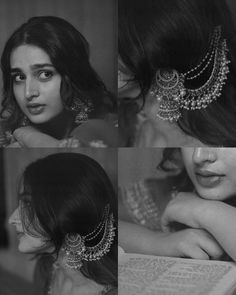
x=76, y=248
x=81, y=109
x=169, y=90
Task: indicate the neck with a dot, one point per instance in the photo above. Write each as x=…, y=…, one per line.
x=58, y=127
x=85, y=285
x=168, y=134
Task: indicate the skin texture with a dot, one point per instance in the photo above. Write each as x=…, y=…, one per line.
x=206, y=209
x=189, y=242
x=36, y=83
x=84, y=135
x=192, y=243
x=221, y=161
x=70, y=282
x=210, y=223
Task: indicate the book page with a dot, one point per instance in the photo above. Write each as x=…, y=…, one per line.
x=154, y=275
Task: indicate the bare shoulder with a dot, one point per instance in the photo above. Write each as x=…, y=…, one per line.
x=97, y=130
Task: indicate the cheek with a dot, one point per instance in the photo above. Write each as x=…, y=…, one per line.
x=28, y=244
x=18, y=93
x=230, y=185
x=52, y=93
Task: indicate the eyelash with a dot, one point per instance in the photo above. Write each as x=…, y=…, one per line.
x=16, y=75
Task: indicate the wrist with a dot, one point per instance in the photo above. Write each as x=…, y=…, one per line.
x=207, y=213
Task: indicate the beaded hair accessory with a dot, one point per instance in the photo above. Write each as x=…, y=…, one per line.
x=173, y=96
x=75, y=245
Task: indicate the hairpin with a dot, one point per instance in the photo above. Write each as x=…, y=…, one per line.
x=76, y=248
x=169, y=89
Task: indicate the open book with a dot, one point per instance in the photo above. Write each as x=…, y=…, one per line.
x=156, y=275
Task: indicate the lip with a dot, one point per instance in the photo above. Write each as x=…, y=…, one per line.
x=208, y=179
x=35, y=108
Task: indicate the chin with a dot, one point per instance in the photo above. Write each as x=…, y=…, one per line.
x=214, y=194
x=39, y=120
x=30, y=245
x=25, y=249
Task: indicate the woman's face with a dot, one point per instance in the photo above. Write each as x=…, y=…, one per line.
x=36, y=84
x=212, y=171
x=27, y=243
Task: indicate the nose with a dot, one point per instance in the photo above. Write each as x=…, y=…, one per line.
x=15, y=217
x=203, y=154
x=31, y=89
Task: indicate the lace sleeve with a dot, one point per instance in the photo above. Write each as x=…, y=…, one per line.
x=141, y=206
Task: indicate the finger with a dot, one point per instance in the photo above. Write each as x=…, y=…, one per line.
x=18, y=136
x=15, y=144
x=210, y=246
x=165, y=223
x=196, y=252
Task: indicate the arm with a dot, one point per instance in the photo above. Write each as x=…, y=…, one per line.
x=216, y=217
x=191, y=243
x=220, y=220
x=94, y=133
x=31, y=137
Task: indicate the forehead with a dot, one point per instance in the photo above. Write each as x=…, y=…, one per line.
x=25, y=56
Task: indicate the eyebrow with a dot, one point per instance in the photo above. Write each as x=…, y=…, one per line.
x=34, y=67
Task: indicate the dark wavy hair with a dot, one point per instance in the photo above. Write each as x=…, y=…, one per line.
x=176, y=34
x=68, y=51
x=67, y=193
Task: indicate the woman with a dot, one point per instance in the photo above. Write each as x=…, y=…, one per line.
x=50, y=90
x=177, y=73
x=68, y=222
x=194, y=206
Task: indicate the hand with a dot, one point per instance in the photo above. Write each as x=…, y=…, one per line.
x=185, y=208
x=192, y=243
x=30, y=137
x=14, y=145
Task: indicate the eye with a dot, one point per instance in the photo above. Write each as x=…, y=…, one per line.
x=45, y=75
x=18, y=77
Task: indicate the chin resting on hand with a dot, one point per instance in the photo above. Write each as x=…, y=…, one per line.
x=185, y=208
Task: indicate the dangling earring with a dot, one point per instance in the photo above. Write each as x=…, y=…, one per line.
x=82, y=110
x=169, y=85
x=75, y=246
x=25, y=121
x=169, y=90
